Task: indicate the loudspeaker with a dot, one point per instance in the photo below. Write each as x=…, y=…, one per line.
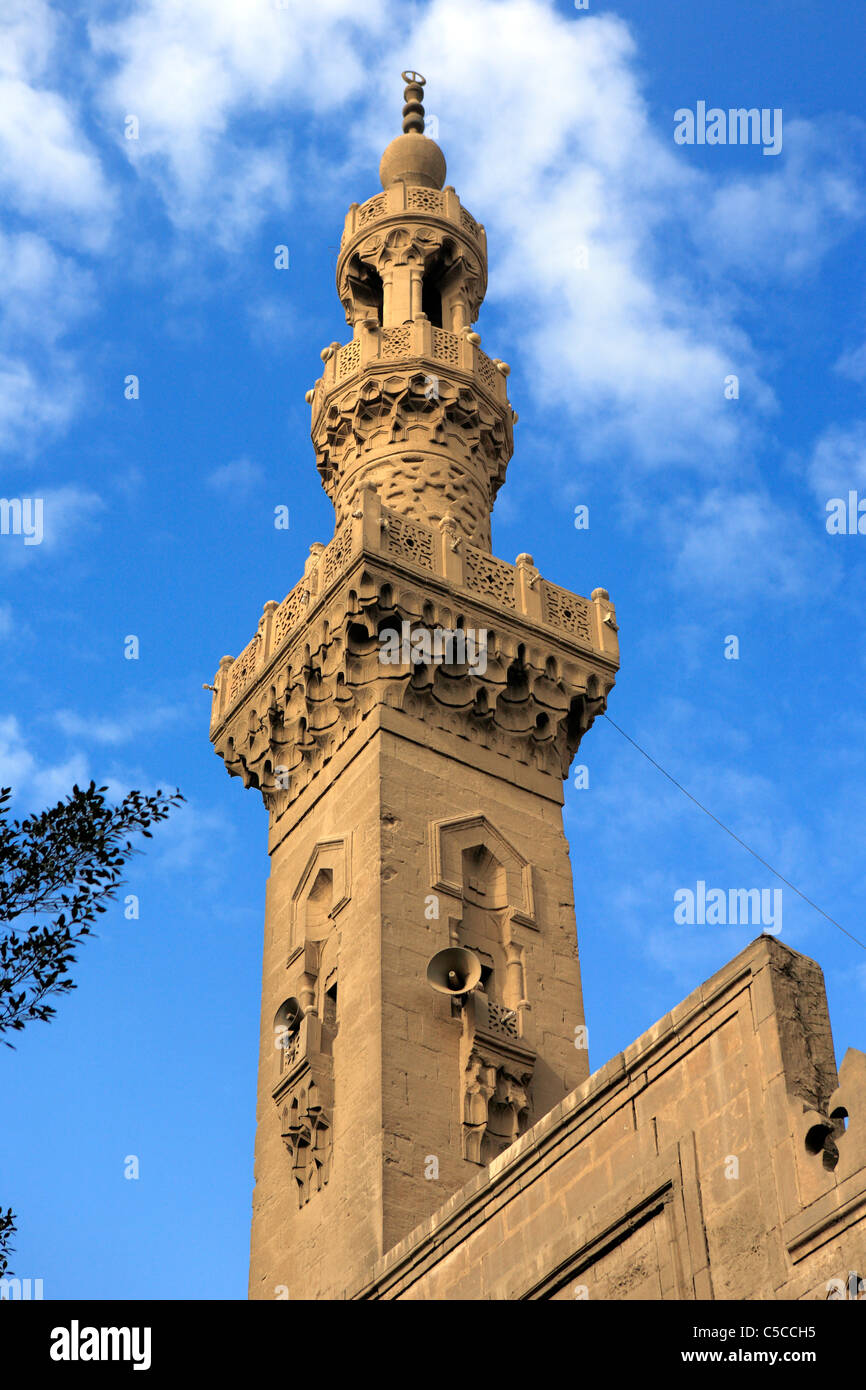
x=454, y=971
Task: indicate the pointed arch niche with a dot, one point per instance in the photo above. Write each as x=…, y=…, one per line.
x=490, y=885
x=458, y=844
x=322, y=891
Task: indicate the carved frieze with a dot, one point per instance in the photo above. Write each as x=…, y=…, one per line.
x=496, y=1080
x=522, y=704
x=463, y=442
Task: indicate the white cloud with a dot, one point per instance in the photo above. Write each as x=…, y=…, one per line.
x=187, y=71
x=853, y=364
x=742, y=544
x=68, y=515
x=838, y=460
x=783, y=220
x=44, y=294
x=48, y=167
x=35, y=784
x=116, y=731
x=49, y=174
x=237, y=477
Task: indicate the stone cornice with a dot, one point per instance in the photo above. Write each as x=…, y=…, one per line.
x=314, y=668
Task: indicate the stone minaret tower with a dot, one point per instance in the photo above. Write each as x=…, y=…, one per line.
x=408, y=714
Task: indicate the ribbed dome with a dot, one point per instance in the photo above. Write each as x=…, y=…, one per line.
x=413, y=159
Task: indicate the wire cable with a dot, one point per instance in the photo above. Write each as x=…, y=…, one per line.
x=730, y=832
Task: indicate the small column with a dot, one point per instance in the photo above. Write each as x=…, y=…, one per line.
x=367, y=520
x=528, y=588
x=221, y=681
x=266, y=625
x=459, y=314
x=388, y=296
x=369, y=341
x=311, y=571
x=422, y=336
x=450, y=550
x=605, y=624
x=400, y=310
x=416, y=283
x=329, y=370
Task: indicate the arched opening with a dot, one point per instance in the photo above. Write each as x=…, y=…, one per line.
x=366, y=289
x=431, y=290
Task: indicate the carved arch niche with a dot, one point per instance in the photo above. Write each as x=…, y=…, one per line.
x=304, y=1090
x=489, y=883
x=322, y=891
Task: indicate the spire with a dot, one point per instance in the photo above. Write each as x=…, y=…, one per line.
x=411, y=406
x=413, y=158
x=413, y=111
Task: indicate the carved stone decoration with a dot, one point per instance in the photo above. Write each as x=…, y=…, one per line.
x=303, y=1096
x=496, y=1105
x=327, y=683
x=449, y=839
x=331, y=857
x=306, y=1133
x=837, y=1135
x=380, y=235
x=463, y=442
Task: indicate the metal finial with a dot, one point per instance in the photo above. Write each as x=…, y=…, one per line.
x=413, y=111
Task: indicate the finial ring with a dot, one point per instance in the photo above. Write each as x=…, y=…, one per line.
x=414, y=77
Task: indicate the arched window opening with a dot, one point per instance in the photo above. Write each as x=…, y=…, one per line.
x=367, y=290
x=431, y=291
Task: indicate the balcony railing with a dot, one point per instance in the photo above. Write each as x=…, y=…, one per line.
x=516, y=590
x=417, y=340
x=400, y=201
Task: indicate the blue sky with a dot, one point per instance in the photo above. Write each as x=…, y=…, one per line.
x=155, y=257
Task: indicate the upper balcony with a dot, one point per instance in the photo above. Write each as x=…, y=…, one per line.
x=374, y=347
x=401, y=201
x=434, y=556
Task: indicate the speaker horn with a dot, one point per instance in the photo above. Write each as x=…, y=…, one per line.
x=454, y=971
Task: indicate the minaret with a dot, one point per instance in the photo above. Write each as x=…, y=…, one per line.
x=408, y=713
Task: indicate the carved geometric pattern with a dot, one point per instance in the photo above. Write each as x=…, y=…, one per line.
x=487, y=575
x=395, y=342
x=413, y=542
x=306, y=1134
x=486, y=369
x=568, y=611
x=424, y=199
x=446, y=346
x=502, y=1020
x=468, y=223
x=473, y=433
x=348, y=358
x=336, y=554
x=289, y=1049
x=495, y=1106
x=244, y=667
x=515, y=706
x=370, y=210
x=290, y=612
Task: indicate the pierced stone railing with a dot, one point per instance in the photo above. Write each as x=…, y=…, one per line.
x=419, y=340
x=401, y=200
x=516, y=590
